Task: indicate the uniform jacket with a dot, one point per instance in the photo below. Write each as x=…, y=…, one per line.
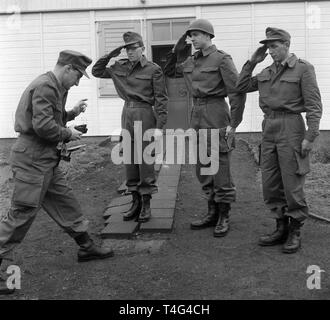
x=40, y=119
x=211, y=73
x=293, y=89
x=144, y=82
x=41, y=110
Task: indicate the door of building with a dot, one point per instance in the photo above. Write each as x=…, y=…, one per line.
x=163, y=34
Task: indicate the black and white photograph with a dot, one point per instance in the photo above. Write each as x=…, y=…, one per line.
x=164, y=155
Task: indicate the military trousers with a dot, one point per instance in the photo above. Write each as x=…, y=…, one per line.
x=213, y=113
x=140, y=176
x=37, y=187
x=283, y=167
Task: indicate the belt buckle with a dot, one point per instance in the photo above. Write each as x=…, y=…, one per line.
x=130, y=104
x=201, y=101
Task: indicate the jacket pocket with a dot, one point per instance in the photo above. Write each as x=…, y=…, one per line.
x=303, y=165
x=27, y=189
x=263, y=77
x=290, y=87
x=290, y=79
x=18, y=148
x=263, y=84
x=226, y=145
x=209, y=69
x=120, y=73
x=188, y=69
x=143, y=76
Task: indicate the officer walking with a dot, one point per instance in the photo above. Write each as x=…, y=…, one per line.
x=287, y=88
x=38, y=182
x=210, y=76
x=142, y=85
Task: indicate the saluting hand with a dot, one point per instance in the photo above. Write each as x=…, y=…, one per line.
x=181, y=44
x=116, y=52
x=80, y=107
x=259, y=55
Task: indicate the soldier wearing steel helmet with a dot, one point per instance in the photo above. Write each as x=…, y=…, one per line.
x=211, y=76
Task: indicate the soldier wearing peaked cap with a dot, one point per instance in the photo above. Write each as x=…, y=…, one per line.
x=211, y=76
x=40, y=120
x=141, y=84
x=287, y=88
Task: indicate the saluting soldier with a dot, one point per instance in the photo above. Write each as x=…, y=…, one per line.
x=40, y=120
x=287, y=88
x=211, y=76
x=141, y=84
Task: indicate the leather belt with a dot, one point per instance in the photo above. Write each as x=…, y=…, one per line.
x=206, y=100
x=137, y=104
x=279, y=113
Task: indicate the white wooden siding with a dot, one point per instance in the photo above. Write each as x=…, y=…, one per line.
x=33, y=49
x=46, y=5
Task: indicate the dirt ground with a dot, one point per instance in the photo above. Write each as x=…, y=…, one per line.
x=185, y=264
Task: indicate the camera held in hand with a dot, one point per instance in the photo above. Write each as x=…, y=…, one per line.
x=82, y=128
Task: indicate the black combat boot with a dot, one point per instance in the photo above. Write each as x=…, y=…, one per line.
x=4, y=290
x=278, y=236
x=89, y=250
x=209, y=220
x=134, y=211
x=222, y=226
x=145, y=214
x=293, y=242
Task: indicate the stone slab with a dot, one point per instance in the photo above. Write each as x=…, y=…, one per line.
x=116, y=210
x=120, y=201
x=119, y=230
x=165, y=196
x=157, y=225
x=114, y=218
x=162, y=204
x=172, y=181
x=166, y=189
x=162, y=213
x=170, y=170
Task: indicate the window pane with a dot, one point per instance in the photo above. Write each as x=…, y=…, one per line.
x=161, y=31
x=179, y=28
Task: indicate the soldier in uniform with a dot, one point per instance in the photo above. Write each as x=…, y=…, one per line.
x=287, y=88
x=40, y=120
x=211, y=76
x=142, y=85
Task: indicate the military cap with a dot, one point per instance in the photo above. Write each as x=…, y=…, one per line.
x=78, y=60
x=132, y=38
x=275, y=34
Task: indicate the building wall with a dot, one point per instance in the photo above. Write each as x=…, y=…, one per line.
x=33, y=48
x=47, y=5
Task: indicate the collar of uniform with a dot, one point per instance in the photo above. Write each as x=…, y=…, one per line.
x=205, y=52
x=290, y=61
x=58, y=85
x=209, y=50
x=143, y=61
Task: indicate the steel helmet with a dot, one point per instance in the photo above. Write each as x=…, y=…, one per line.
x=201, y=25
